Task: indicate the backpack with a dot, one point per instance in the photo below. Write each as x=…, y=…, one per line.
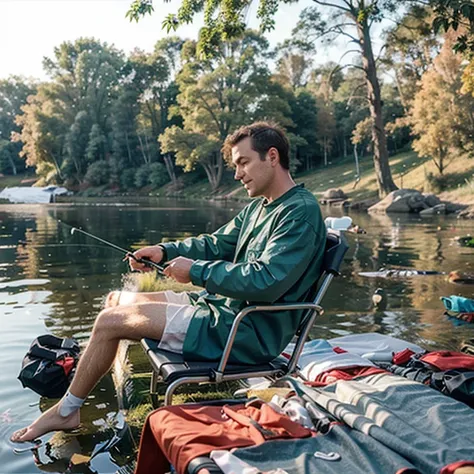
x=458, y=384
x=49, y=365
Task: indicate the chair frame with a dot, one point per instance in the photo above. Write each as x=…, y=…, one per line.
x=270, y=370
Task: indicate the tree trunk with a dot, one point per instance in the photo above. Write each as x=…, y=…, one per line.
x=128, y=148
x=400, y=92
x=145, y=158
x=382, y=168
x=56, y=165
x=170, y=167
x=12, y=164
x=209, y=169
x=325, y=152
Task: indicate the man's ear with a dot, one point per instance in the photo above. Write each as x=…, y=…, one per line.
x=273, y=156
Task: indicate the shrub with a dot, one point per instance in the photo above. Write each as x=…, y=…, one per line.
x=158, y=175
x=98, y=173
x=142, y=176
x=127, y=179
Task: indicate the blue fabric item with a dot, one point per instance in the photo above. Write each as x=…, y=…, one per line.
x=458, y=304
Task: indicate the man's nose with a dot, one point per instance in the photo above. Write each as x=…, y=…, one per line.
x=238, y=174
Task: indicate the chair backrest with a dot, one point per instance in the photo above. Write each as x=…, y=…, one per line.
x=336, y=248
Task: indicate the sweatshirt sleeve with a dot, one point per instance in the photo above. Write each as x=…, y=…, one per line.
x=220, y=245
x=283, y=261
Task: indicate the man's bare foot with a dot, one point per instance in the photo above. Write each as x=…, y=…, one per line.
x=50, y=420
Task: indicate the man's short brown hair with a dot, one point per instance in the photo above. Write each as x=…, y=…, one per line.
x=263, y=136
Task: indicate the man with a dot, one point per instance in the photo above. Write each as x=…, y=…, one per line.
x=271, y=251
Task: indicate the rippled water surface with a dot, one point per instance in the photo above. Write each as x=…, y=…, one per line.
x=52, y=281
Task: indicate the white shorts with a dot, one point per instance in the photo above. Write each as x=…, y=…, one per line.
x=178, y=316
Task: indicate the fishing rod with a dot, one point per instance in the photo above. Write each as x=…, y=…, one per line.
x=143, y=260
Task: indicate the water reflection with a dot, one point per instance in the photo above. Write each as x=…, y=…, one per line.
x=60, y=281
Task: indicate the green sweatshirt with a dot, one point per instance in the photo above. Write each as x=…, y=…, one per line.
x=271, y=252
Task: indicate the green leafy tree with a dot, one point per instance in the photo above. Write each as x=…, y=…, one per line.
x=77, y=140
x=304, y=116
x=13, y=93
x=456, y=15
x=216, y=96
x=155, y=76
x=85, y=77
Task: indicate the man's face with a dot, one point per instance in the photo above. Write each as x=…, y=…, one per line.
x=255, y=174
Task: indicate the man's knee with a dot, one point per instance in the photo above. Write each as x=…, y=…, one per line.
x=108, y=319
x=112, y=299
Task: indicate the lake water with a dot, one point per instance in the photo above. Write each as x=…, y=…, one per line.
x=52, y=281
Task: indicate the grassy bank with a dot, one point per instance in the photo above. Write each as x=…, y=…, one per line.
x=408, y=171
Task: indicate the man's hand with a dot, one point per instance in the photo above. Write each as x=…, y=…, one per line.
x=154, y=253
x=178, y=269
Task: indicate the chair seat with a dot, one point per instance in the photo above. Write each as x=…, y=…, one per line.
x=172, y=366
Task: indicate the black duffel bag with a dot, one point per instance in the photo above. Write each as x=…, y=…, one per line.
x=49, y=365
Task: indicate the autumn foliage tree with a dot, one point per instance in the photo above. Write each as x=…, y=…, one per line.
x=442, y=117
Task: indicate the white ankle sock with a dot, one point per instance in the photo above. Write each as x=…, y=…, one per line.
x=69, y=404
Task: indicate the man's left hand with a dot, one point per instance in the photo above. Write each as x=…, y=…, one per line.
x=179, y=269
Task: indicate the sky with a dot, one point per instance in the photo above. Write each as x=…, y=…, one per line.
x=30, y=29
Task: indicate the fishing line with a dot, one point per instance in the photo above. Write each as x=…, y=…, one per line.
x=145, y=261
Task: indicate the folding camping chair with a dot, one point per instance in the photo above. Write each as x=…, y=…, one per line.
x=171, y=368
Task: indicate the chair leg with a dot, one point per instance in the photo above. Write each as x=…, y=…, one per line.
x=153, y=393
x=170, y=392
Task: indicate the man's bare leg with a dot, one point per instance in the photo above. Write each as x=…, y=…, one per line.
x=113, y=324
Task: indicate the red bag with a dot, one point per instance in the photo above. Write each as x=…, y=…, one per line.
x=447, y=360
x=179, y=433
x=402, y=357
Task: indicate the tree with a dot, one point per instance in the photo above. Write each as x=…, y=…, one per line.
x=42, y=132
x=350, y=106
x=294, y=64
x=13, y=93
x=454, y=15
x=411, y=46
x=304, y=116
x=216, y=96
x=155, y=77
x=326, y=126
x=353, y=19
x=85, y=76
x=442, y=118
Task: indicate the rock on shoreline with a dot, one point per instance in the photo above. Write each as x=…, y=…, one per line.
x=413, y=201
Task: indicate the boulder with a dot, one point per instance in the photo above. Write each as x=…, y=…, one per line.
x=432, y=200
x=334, y=193
x=417, y=202
x=438, y=209
x=401, y=200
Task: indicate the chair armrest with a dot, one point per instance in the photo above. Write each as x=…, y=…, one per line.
x=252, y=309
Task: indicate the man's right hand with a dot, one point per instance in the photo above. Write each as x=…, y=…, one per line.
x=154, y=253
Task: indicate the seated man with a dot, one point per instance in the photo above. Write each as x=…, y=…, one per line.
x=270, y=252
